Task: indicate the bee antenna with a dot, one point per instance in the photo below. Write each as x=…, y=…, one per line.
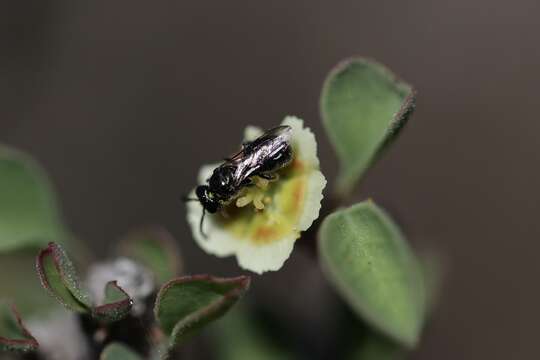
x=186, y=198
x=201, y=223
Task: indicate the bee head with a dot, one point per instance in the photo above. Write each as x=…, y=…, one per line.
x=207, y=198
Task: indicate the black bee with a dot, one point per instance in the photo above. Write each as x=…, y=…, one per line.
x=261, y=157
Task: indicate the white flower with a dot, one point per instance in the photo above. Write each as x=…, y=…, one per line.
x=262, y=236
x=60, y=336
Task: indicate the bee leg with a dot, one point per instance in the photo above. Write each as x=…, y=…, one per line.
x=248, y=182
x=269, y=176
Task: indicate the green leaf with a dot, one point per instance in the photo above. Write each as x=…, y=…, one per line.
x=117, y=304
x=155, y=248
x=14, y=337
x=117, y=351
x=240, y=339
x=29, y=214
x=59, y=277
x=367, y=259
x=186, y=304
x=363, y=107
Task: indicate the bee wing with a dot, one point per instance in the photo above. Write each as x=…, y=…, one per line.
x=236, y=157
x=254, y=154
x=278, y=134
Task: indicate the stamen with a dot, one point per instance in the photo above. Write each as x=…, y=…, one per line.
x=244, y=200
x=257, y=201
x=255, y=195
x=261, y=183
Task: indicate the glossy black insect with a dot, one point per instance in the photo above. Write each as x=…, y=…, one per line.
x=261, y=157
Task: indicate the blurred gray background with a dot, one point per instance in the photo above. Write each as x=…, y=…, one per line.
x=123, y=101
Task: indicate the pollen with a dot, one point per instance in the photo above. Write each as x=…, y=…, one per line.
x=261, y=183
x=256, y=194
x=258, y=201
x=244, y=200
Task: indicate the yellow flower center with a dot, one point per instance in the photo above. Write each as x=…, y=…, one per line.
x=277, y=206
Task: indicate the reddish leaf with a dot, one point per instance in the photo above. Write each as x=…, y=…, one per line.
x=186, y=304
x=59, y=277
x=14, y=337
x=117, y=304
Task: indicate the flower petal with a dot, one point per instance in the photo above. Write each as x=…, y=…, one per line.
x=304, y=140
x=250, y=256
x=312, y=201
x=269, y=257
x=252, y=132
